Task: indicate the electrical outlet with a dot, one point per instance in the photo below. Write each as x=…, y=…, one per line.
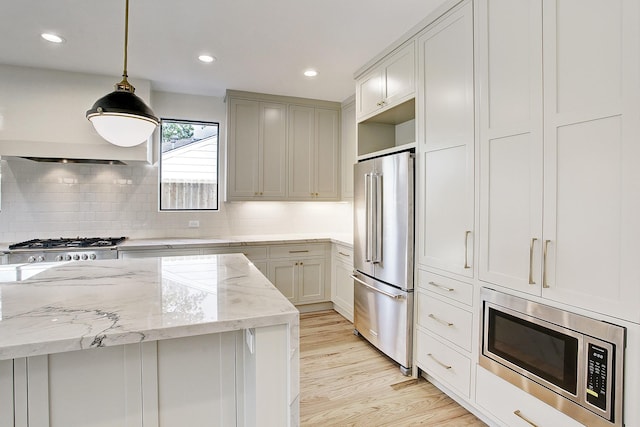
x=194, y=224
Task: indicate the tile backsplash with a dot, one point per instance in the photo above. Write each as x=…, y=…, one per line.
x=47, y=200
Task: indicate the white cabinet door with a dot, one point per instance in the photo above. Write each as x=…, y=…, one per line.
x=326, y=167
x=257, y=143
x=446, y=69
x=510, y=80
x=311, y=280
x=197, y=387
x=69, y=389
x=313, y=153
x=591, y=176
x=446, y=150
x=370, y=92
x=283, y=276
x=388, y=84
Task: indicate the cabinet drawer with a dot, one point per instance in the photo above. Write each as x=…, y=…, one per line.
x=509, y=404
x=450, y=288
x=296, y=251
x=342, y=253
x=444, y=363
x=253, y=252
x=452, y=323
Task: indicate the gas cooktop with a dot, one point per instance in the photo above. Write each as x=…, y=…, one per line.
x=68, y=243
x=71, y=249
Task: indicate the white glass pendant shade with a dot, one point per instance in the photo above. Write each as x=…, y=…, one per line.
x=123, y=130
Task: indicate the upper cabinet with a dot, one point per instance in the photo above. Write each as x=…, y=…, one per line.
x=313, y=153
x=256, y=166
x=42, y=114
x=282, y=148
x=388, y=84
x=559, y=195
x=385, y=104
x=446, y=140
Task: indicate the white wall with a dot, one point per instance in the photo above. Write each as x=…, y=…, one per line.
x=46, y=200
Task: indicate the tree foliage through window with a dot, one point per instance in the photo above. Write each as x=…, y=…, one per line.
x=173, y=131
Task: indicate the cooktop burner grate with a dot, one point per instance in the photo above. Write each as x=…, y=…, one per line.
x=77, y=242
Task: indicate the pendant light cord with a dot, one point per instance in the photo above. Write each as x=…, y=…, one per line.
x=124, y=85
x=126, y=39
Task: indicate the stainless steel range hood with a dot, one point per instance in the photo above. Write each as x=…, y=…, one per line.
x=65, y=160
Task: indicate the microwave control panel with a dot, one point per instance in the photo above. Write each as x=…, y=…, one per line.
x=597, y=372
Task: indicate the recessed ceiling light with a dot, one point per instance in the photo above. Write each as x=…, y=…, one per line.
x=52, y=38
x=311, y=73
x=206, y=58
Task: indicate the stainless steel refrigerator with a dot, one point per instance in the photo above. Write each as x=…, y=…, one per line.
x=383, y=254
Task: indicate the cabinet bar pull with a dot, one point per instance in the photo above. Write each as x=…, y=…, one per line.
x=533, y=242
x=544, y=264
x=343, y=254
x=466, y=244
x=439, y=362
x=518, y=414
x=445, y=323
x=298, y=252
x=441, y=287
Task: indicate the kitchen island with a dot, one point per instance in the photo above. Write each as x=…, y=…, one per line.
x=171, y=341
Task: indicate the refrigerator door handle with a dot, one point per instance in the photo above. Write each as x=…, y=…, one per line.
x=377, y=258
x=368, y=218
x=376, y=289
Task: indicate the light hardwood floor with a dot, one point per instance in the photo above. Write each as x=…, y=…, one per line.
x=344, y=381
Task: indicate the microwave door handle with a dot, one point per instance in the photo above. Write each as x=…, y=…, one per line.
x=379, y=219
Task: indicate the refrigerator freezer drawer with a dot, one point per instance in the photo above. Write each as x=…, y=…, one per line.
x=382, y=315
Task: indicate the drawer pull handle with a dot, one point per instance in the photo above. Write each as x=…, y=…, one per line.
x=466, y=249
x=440, y=320
x=518, y=414
x=441, y=287
x=343, y=254
x=439, y=362
x=533, y=242
x=298, y=252
x=545, y=284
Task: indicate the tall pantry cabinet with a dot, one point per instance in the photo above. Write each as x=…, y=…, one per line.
x=446, y=200
x=559, y=184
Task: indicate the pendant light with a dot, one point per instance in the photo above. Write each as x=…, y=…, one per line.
x=121, y=117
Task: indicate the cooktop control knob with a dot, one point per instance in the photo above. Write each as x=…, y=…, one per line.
x=76, y=257
x=92, y=256
x=67, y=257
x=85, y=257
x=31, y=259
x=40, y=258
x=59, y=258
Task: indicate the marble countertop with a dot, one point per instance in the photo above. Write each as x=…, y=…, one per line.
x=65, y=306
x=260, y=239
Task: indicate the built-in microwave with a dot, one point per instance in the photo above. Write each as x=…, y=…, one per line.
x=572, y=362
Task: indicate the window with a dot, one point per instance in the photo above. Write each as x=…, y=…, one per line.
x=188, y=165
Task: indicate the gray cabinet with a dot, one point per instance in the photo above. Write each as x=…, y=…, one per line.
x=282, y=148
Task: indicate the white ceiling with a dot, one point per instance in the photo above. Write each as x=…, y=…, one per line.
x=260, y=45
